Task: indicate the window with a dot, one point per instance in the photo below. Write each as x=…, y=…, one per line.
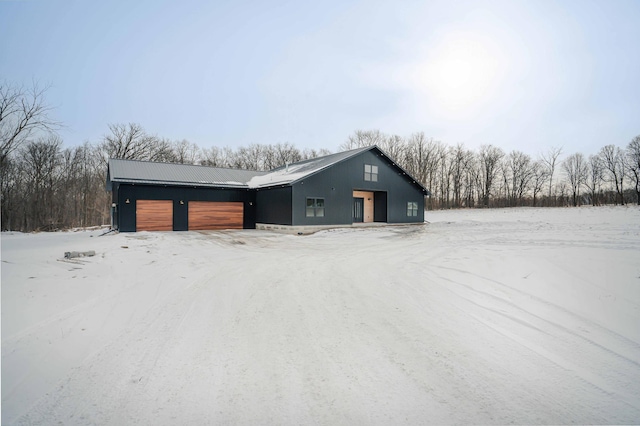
x=412, y=208
x=370, y=173
x=315, y=207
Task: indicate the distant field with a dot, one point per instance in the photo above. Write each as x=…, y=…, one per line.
x=523, y=316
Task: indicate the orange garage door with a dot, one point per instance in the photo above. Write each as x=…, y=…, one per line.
x=215, y=215
x=154, y=215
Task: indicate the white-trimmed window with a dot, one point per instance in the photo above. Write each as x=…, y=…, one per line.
x=412, y=208
x=315, y=207
x=370, y=173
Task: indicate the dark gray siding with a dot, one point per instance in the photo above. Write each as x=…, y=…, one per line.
x=126, y=212
x=274, y=206
x=336, y=186
x=115, y=214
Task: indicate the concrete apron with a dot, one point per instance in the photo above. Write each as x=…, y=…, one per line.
x=310, y=229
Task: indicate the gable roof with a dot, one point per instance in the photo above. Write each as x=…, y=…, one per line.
x=147, y=172
x=289, y=175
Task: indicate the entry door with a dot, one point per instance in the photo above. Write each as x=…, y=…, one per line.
x=358, y=209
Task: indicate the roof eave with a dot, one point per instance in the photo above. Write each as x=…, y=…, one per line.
x=394, y=163
x=174, y=183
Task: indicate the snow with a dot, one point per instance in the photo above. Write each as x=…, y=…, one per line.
x=527, y=316
x=288, y=174
x=296, y=171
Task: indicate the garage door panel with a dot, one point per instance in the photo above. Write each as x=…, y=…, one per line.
x=154, y=215
x=205, y=215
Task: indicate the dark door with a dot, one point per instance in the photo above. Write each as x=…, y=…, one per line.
x=358, y=209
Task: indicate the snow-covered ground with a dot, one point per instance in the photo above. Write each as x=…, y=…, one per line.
x=482, y=316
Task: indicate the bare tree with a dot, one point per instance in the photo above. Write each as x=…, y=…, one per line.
x=470, y=178
x=131, y=142
x=83, y=195
x=363, y=138
x=594, y=178
x=309, y=153
x=521, y=175
x=185, y=152
x=538, y=179
x=285, y=154
x=444, y=178
x=613, y=161
x=550, y=160
x=126, y=142
x=458, y=158
x=23, y=112
x=40, y=162
x=561, y=196
x=249, y=158
x=633, y=162
x=489, y=157
x=53, y=189
x=12, y=184
x=422, y=160
x=575, y=168
x=24, y=115
x=215, y=157
x=504, y=187
x=394, y=145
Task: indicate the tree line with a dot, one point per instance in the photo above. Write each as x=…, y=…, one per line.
x=44, y=186
x=459, y=177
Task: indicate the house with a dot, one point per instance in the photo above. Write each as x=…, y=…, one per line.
x=360, y=185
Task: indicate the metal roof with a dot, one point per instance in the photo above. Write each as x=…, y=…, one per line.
x=132, y=171
x=294, y=172
x=145, y=172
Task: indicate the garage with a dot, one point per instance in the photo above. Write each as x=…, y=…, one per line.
x=154, y=215
x=205, y=215
x=321, y=192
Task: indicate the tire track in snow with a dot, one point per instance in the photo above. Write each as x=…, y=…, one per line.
x=624, y=340
x=585, y=373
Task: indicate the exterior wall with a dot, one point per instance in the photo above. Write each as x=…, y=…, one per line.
x=336, y=186
x=126, y=212
x=113, y=208
x=274, y=206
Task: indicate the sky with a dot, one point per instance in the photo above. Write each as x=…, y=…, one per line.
x=521, y=75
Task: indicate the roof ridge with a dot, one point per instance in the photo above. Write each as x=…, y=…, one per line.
x=352, y=151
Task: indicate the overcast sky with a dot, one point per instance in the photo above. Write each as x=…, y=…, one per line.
x=524, y=75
